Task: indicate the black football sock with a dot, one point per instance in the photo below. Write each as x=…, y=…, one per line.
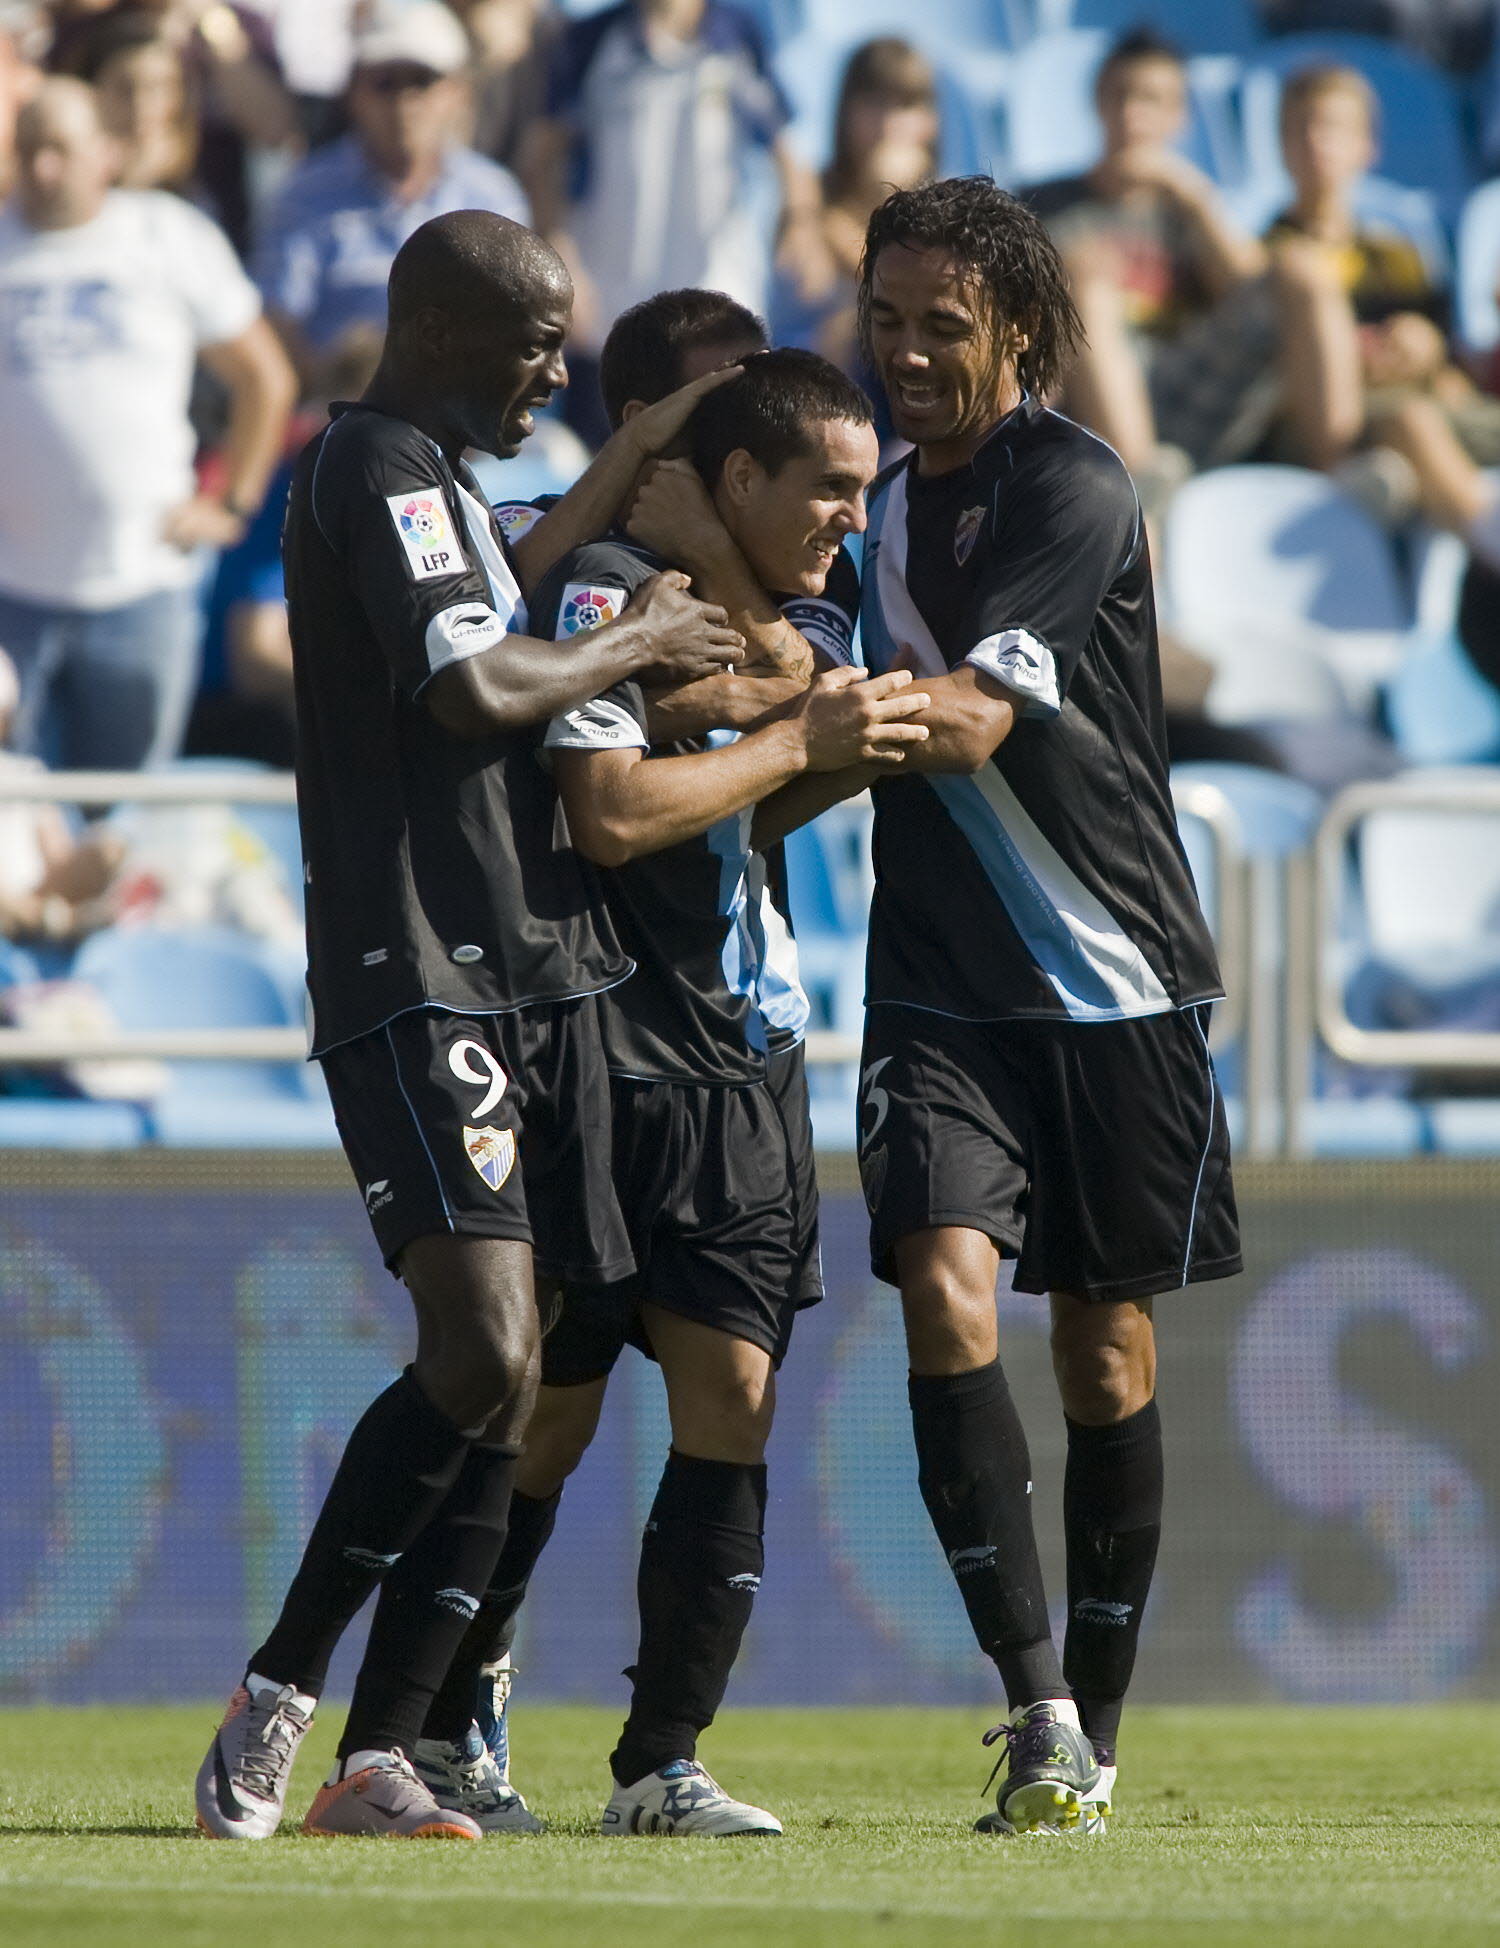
x=701, y=1562
x=975, y=1475
x=427, y=1603
x=401, y=1461
x=1112, y=1495
x=493, y=1631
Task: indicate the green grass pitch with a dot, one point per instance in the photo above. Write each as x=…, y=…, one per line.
x=1270, y=1827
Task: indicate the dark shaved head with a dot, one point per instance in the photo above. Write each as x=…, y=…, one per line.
x=472, y=264
x=479, y=308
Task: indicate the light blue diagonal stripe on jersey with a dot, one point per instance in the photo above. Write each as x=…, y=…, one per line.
x=729, y=842
x=1092, y=964
x=759, y=956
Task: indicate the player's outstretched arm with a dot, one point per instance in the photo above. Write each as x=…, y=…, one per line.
x=594, y=501
x=623, y=803
x=519, y=681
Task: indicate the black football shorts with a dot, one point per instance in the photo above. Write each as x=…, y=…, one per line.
x=707, y=1181
x=786, y=1078
x=489, y=1126
x=1096, y=1154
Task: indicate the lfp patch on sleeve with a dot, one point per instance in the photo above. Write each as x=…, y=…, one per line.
x=515, y=518
x=586, y=606
x=426, y=533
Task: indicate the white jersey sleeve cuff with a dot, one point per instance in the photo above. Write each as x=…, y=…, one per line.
x=825, y=625
x=602, y=725
x=453, y=635
x=1015, y=658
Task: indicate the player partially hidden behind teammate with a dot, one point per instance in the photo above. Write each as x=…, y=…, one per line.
x=1036, y=1079
x=712, y=1147
x=457, y=944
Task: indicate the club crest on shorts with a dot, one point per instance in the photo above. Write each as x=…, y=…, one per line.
x=586, y=607
x=492, y=1153
x=967, y=533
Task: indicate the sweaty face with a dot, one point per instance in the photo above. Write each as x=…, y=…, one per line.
x=508, y=369
x=934, y=344
x=791, y=524
x=1142, y=104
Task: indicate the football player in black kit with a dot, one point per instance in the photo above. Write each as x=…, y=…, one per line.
x=1036, y=1082
x=457, y=947
x=712, y=1146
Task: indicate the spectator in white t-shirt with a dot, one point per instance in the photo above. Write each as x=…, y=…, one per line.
x=107, y=298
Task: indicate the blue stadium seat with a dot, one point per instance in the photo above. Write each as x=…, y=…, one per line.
x=209, y=978
x=1277, y=815
x=1220, y=27
x=1440, y=709
x=1284, y=546
x=61, y=1123
x=1421, y=134
x=1476, y=304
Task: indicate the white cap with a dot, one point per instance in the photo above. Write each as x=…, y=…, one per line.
x=419, y=34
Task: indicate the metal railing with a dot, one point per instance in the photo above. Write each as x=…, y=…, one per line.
x=98, y=790
x=1278, y=1022
x=1317, y=1013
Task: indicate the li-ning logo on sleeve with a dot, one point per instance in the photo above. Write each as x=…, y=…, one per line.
x=967, y=533
x=586, y=607
x=1096, y=1609
x=425, y=531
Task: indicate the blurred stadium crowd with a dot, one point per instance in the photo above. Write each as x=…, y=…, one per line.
x=1283, y=242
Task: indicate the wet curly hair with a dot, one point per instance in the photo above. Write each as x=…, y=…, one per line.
x=1012, y=261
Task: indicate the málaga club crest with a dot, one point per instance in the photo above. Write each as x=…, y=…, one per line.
x=492, y=1153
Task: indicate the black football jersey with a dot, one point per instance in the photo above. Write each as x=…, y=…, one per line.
x=1053, y=882
x=439, y=870
x=716, y=986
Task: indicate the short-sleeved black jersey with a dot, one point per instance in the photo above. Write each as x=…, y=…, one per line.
x=716, y=986
x=1053, y=882
x=439, y=870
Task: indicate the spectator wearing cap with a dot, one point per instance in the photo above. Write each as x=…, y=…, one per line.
x=347, y=210
x=107, y=298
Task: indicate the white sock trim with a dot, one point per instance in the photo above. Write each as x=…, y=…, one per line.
x=1065, y=1709
x=360, y=1761
x=255, y=1684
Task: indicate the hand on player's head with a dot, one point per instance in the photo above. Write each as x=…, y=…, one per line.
x=654, y=428
x=692, y=638
x=848, y=718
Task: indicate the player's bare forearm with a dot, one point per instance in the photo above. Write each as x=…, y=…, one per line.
x=738, y=700
x=721, y=574
x=968, y=717
x=586, y=511
x=804, y=798
x=522, y=681
x=623, y=804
